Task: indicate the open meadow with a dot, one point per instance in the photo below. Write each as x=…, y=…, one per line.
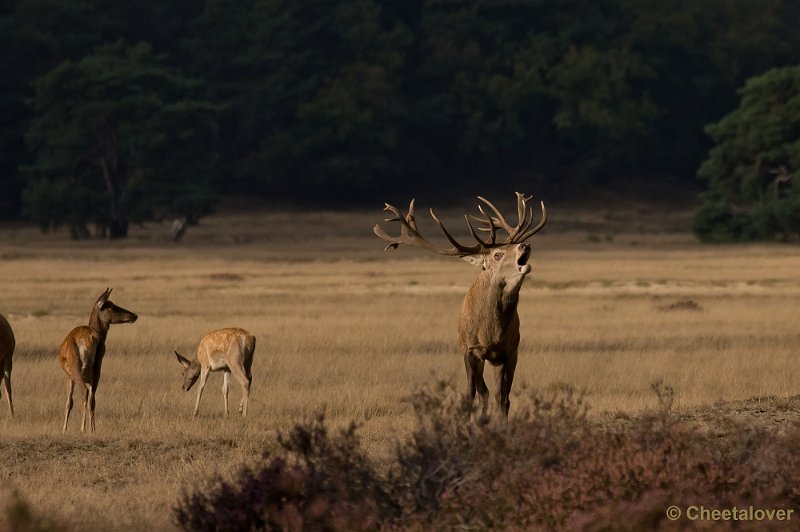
x=616, y=301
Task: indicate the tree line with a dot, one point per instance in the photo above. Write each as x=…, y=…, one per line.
x=119, y=112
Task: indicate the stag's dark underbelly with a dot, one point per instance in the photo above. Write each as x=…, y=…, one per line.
x=495, y=357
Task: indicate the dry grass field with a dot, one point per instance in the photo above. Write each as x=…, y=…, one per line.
x=617, y=300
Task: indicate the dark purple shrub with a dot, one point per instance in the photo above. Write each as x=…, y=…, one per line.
x=317, y=482
x=550, y=466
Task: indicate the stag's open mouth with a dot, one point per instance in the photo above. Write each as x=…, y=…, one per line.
x=522, y=260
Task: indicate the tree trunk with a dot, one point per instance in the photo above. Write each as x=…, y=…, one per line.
x=118, y=229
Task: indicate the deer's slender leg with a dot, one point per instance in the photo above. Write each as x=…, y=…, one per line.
x=6, y=377
x=85, y=406
x=248, y=372
x=226, y=382
x=240, y=375
x=70, y=389
x=91, y=407
x=236, y=362
x=475, y=382
x=504, y=377
x=201, y=385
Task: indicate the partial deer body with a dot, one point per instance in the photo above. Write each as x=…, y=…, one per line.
x=488, y=328
x=7, y=345
x=228, y=350
x=82, y=351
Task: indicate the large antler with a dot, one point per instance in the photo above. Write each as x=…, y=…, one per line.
x=410, y=236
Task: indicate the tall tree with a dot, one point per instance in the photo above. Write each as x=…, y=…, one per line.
x=753, y=171
x=310, y=91
x=118, y=138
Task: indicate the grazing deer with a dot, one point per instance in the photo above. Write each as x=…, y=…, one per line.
x=488, y=328
x=81, y=353
x=228, y=350
x=7, y=344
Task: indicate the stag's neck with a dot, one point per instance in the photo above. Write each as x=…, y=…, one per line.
x=496, y=296
x=98, y=325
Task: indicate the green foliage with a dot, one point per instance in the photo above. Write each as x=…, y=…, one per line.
x=118, y=138
x=323, y=112
x=358, y=98
x=600, y=106
x=754, y=194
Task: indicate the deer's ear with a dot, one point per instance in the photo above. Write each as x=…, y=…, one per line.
x=476, y=259
x=103, y=297
x=184, y=362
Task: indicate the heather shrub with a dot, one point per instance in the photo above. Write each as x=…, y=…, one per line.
x=318, y=481
x=550, y=466
x=18, y=516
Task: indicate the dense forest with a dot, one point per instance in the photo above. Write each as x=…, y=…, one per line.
x=117, y=112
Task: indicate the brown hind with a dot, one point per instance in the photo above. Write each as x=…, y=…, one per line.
x=81, y=353
x=7, y=344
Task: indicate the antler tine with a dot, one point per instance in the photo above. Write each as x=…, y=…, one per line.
x=500, y=219
x=527, y=217
x=410, y=236
x=475, y=235
x=490, y=227
x=522, y=210
x=490, y=222
x=465, y=250
x=522, y=217
x=410, y=218
x=527, y=234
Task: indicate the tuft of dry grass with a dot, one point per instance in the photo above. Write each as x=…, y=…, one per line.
x=344, y=327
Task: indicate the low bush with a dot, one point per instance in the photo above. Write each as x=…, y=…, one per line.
x=549, y=467
x=18, y=516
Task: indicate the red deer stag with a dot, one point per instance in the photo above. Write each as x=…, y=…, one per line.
x=7, y=345
x=488, y=328
x=227, y=350
x=81, y=353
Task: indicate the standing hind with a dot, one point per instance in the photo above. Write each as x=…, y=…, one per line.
x=7, y=344
x=81, y=354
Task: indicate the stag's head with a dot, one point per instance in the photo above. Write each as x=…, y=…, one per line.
x=505, y=262
x=506, y=265
x=191, y=371
x=107, y=312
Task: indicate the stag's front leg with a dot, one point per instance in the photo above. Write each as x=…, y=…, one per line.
x=504, y=377
x=475, y=382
